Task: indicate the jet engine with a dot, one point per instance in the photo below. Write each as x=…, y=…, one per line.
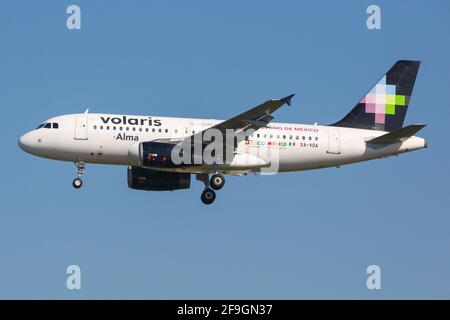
x=156, y=154
x=151, y=180
x=162, y=155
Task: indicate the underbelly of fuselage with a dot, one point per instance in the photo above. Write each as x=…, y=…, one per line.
x=273, y=159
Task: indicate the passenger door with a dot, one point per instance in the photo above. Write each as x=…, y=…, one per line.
x=81, y=124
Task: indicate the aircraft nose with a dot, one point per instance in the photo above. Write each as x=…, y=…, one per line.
x=25, y=142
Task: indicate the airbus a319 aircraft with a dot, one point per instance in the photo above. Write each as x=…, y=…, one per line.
x=373, y=129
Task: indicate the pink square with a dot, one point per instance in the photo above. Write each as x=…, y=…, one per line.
x=380, y=108
x=370, y=107
x=370, y=98
x=379, y=118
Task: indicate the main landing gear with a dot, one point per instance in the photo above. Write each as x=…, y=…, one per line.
x=77, y=182
x=217, y=182
x=208, y=196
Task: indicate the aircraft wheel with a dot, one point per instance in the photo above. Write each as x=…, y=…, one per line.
x=208, y=196
x=77, y=183
x=217, y=181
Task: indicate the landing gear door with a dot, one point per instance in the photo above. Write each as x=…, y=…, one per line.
x=81, y=124
x=334, y=143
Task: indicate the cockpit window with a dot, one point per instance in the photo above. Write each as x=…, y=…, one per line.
x=48, y=125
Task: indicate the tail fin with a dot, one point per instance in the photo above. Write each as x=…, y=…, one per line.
x=384, y=106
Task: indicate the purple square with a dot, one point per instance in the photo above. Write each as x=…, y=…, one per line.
x=370, y=107
x=379, y=117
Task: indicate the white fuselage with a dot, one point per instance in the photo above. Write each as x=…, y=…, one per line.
x=114, y=139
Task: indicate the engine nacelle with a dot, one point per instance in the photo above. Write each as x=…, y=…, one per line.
x=163, y=155
x=156, y=154
x=151, y=180
x=152, y=154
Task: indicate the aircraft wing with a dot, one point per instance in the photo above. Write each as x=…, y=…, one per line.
x=255, y=118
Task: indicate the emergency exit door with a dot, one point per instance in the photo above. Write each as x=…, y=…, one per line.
x=334, y=143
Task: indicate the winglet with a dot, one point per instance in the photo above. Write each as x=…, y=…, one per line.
x=288, y=99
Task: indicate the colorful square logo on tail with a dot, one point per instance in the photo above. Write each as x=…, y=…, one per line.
x=382, y=100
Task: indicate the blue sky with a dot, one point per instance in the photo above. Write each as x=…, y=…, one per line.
x=299, y=235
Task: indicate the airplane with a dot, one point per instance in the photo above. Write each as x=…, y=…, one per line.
x=146, y=144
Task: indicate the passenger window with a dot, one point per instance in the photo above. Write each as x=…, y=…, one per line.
x=55, y=125
x=101, y=127
x=95, y=127
x=284, y=136
x=167, y=130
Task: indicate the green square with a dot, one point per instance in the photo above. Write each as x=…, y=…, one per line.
x=390, y=109
x=400, y=100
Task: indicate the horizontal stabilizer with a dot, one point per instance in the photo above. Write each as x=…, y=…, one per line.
x=397, y=136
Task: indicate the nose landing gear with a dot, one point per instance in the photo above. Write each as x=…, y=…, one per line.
x=77, y=182
x=217, y=182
